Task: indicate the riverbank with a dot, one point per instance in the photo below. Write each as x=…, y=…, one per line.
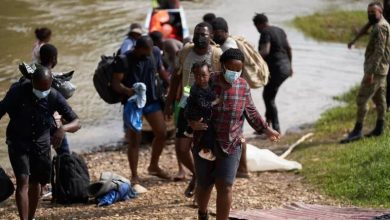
x=357, y=173
x=165, y=199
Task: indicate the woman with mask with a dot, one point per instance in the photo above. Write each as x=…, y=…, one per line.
x=227, y=119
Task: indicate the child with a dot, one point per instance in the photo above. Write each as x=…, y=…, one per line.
x=43, y=36
x=199, y=106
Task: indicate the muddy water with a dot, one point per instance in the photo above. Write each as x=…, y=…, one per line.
x=83, y=30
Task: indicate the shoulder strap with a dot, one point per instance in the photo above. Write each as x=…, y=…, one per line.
x=215, y=58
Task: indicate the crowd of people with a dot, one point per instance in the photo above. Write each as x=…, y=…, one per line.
x=204, y=92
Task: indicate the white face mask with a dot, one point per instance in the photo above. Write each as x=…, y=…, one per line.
x=231, y=76
x=41, y=94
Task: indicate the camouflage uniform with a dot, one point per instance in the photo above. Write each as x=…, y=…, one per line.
x=376, y=63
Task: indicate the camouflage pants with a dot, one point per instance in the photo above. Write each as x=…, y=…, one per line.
x=377, y=92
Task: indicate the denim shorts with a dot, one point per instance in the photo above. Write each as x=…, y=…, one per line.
x=223, y=168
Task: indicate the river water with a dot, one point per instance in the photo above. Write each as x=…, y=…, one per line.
x=85, y=29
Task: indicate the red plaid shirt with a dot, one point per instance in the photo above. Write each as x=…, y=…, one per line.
x=228, y=116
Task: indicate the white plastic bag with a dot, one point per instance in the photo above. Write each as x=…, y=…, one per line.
x=266, y=160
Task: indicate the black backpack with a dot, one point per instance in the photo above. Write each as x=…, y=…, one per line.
x=103, y=76
x=69, y=179
x=6, y=186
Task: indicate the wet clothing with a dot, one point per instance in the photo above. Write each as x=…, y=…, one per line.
x=278, y=61
x=127, y=45
x=223, y=168
x=28, y=132
x=279, y=65
x=377, y=54
x=146, y=110
x=376, y=92
x=228, y=116
x=269, y=95
x=199, y=105
x=141, y=70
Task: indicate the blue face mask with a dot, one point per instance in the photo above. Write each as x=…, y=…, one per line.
x=231, y=76
x=41, y=94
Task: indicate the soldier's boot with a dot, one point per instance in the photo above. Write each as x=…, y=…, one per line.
x=354, y=135
x=378, y=130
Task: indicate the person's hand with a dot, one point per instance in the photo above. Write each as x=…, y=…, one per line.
x=198, y=125
x=368, y=79
x=57, y=137
x=351, y=44
x=216, y=101
x=168, y=111
x=272, y=135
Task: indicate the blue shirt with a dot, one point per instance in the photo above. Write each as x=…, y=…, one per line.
x=31, y=118
x=127, y=45
x=141, y=70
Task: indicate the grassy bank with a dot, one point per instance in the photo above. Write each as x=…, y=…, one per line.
x=333, y=26
x=357, y=173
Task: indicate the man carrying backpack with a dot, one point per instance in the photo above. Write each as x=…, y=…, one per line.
x=181, y=80
x=276, y=51
x=30, y=106
x=142, y=65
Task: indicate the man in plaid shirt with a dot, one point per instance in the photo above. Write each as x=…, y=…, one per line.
x=228, y=120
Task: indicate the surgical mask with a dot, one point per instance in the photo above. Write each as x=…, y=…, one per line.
x=372, y=19
x=201, y=42
x=41, y=94
x=231, y=76
x=219, y=40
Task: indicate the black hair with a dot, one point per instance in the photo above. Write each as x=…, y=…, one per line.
x=144, y=42
x=42, y=33
x=220, y=24
x=209, y=17
x=156, y=36
x=41, y=73
x=232, y=54
x=204, y=24
x=260, y=19
x=200, y=64
x=47, y=52
x=376, y=3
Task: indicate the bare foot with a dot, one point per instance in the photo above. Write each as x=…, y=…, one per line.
x=134, y=180
x=159, y=173
x=180, y=176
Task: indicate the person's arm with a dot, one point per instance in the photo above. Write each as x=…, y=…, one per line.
x=174, y=85
x=265, y=49
x=363, y=31
x=256, y=121
x=72, y=124
x=7, y=102
x=289, y=54
x=118, y=87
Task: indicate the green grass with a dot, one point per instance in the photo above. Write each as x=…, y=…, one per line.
x=333, y=26
x=357, y=173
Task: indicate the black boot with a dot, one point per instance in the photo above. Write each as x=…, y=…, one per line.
x=378, y=130
x=203, y=216
x=355, y=135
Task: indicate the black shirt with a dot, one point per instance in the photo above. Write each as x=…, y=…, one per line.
x=31, y=118
x=199, y=103
x=277, y=60
x=141, y=70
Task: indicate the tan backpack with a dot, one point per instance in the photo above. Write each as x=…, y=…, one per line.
x=255, y=70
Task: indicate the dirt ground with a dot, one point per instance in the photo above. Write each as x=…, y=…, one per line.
x=165, y=199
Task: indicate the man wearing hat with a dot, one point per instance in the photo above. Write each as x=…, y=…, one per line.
x=134, y=34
